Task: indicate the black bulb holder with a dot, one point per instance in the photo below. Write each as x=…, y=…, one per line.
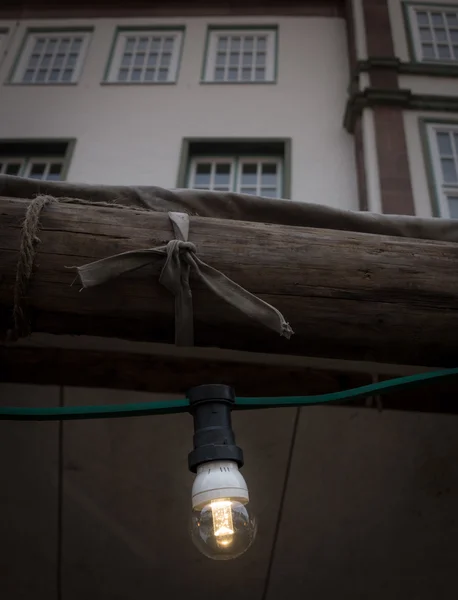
x=210, y=406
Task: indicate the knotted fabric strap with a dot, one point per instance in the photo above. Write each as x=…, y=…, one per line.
x=180, y=259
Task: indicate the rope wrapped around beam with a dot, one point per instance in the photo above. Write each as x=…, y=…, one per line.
x=180, y=261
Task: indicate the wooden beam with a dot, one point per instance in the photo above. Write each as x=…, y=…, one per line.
x=347, y=295
x=175, y=375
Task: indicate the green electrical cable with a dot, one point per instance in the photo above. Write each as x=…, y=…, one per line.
x=140, y=409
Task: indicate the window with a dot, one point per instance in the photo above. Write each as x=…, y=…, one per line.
x=443, y=143
x=255, y=176
x=54, y=57
x=145, y=56
x=246, y=56
x=435, y=33
x=260, y=167
x=46, y=161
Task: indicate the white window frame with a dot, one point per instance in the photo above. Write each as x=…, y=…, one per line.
x=236, y=162
x=27, y=163
x=213, y=160
x=47, y=161
x=118, y=53
x=212, y=49
x=259, y=160
x=415, y=32
x=29, y=43
x=443, y=190
x=6, y=160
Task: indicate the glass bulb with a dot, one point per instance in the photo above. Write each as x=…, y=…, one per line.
x=223, y=529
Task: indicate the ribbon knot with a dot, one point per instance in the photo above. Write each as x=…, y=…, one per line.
x=180, y=259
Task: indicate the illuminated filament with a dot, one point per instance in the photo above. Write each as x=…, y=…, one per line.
x=223, y=526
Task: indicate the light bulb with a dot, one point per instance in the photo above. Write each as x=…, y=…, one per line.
x=222, y=525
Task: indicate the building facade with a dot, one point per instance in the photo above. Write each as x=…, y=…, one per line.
x=349, y=105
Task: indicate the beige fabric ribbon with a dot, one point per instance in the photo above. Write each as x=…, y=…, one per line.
x=180, y=260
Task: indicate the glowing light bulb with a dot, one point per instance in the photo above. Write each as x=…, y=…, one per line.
x=222, y=524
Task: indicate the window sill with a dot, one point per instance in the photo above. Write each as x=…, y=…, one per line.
x=39, y=84
x=138, y=83
x=205, y=82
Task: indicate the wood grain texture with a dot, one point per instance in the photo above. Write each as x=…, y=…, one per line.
x=347, y=295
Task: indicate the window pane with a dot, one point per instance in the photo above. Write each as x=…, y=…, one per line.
x=440, y=35
x=76, y=45
x=235, y=44
x=422, y=18
x=136, y=75
x=452, y=20
x=260, y=74
x=149, y=74
x=71, y=60
x=58, y=61
x=437, y=19
x=222, y=43
x=248, y=59
x=67, y=75
x=202, y=174
x=454, y=35
x=168, y=45
x=261, y=45
x=39, y=45
x=46, y=60
x=246, y=74
x=13, y=168
x=269, y=192
x=156, y=44
x=425, y=34
x=127, y=60
x=260, y=59
x=221, y=58
x=248, y=190
x=130, y=44
x=248, y=43
x=443, y=52
x=28, y=76
x=152, y=59
x=64, y=45
x=33, y=62
x=37, y=170
x=139, y=60
x=444, y=143
x=428, y=51
x=54, y=75
x=249, y=174
x=269, y=174
x=51, y=45
x=142, y=44
x=455, y=52
x=219, y=74
x=232, y=74
x=41, y=75
x=122, y=75
x=453, y=206
x=449, y=170
x=55, y=172
x=166, y=59
x=222, y=175
x=162, y=75
x=234, y=58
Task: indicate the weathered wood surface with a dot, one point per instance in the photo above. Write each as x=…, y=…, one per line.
x=347, y=295
x=161, y=374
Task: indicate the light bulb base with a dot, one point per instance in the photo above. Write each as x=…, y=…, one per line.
x=214, y=440
x=217, y=480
